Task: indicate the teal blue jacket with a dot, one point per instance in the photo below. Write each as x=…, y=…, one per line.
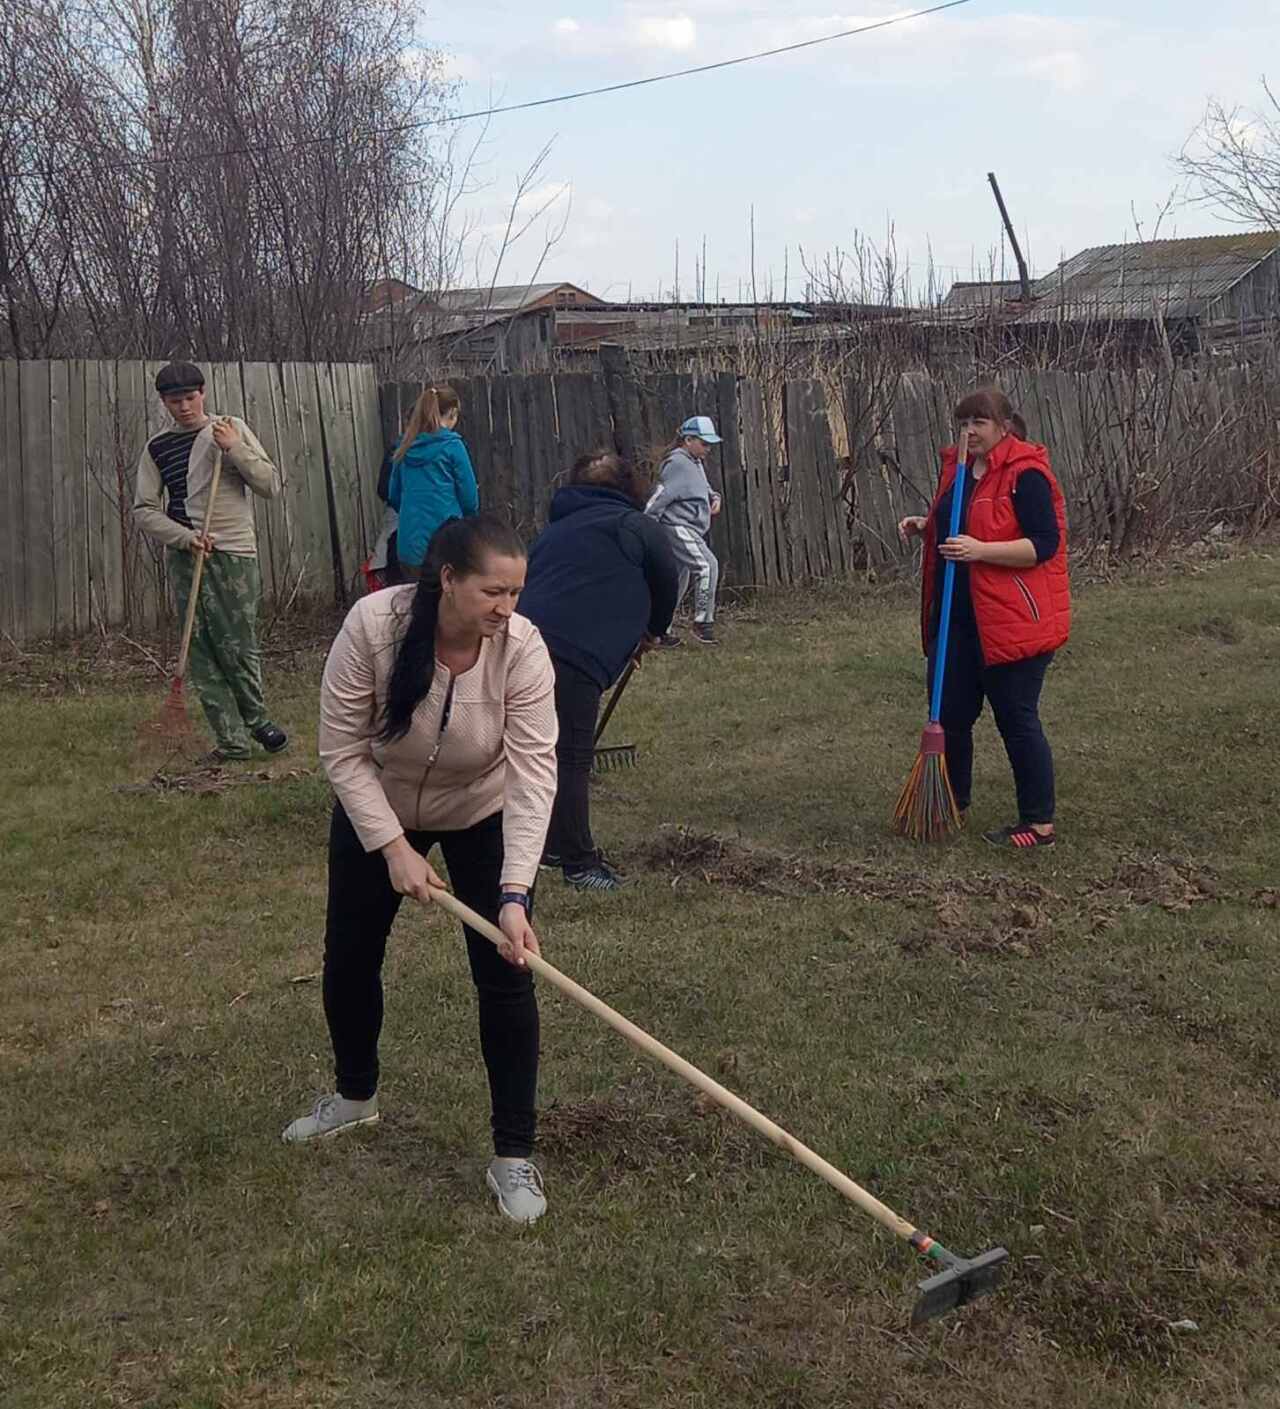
x=434, y=482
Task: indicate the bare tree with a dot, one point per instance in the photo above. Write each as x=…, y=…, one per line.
x=436, y=247
x=208, y=177
x=1232, y=161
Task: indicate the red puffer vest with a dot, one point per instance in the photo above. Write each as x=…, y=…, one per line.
x=1021, y=612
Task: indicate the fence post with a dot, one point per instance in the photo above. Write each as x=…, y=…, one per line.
x=624, y=400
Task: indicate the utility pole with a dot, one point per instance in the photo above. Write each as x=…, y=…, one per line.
x=1023, y=277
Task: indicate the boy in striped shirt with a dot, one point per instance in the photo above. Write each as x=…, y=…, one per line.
x=171, y=497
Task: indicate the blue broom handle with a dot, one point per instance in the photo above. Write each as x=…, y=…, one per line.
x=948, y=590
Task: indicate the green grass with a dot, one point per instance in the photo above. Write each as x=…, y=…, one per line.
x=1072, y=1053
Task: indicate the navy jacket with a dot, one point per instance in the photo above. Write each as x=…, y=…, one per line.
x=600, y=576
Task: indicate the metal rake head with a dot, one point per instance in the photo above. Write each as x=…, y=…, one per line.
x=613, y=756
x=964, y=1281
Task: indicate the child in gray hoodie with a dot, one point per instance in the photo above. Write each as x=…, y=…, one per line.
x=685, y=504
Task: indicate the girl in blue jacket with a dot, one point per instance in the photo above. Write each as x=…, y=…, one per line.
x=431, y=476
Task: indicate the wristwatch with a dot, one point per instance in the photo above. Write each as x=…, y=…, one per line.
x=516, y=897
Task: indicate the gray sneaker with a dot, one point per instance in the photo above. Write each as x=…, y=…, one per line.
x=331, y=1116
x=518, y=1185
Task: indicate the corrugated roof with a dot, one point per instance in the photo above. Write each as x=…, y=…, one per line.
x=502, y=298
x=982, y=294
x=1178, y=277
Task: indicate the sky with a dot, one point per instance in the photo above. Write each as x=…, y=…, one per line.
x=1079, y=108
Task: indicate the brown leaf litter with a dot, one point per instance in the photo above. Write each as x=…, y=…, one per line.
x=993, y=914
x=202, y=781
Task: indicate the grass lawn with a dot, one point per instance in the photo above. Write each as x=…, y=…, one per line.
x=1070, y=1052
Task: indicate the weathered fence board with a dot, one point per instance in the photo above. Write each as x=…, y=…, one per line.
x=369, y=447
x=37, y=473
x=13, y=541
x=764, y=507
x=731, y=538
x=104, y=475
x=271, y=516
x=75, y=481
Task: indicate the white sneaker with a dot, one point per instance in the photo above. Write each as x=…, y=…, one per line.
x=331, y=1116
x=518, y=1186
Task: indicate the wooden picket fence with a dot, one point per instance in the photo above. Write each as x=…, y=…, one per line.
x=71, y=559
x=813, y=485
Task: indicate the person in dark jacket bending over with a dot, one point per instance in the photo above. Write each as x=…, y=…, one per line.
x=1011, y=608
x=601, y=585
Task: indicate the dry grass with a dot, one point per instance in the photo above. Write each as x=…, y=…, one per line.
x=1071, y=1052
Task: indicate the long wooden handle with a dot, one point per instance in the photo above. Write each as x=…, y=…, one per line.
x=855, y=1193
x=184, y=650
x=632, y=666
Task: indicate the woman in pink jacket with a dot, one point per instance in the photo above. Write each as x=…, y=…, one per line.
x=438, y=724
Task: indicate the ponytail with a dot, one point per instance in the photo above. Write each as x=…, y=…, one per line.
x=430, y=409
x=415, y=663
x=462, y=545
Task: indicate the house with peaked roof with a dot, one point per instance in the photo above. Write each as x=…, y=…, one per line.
x=1210, y=292
x=499, y=328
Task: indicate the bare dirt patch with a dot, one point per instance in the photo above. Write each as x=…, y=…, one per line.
x=990, y=914
x=631, y=1133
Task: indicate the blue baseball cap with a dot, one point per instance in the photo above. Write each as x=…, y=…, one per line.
x=703, y=427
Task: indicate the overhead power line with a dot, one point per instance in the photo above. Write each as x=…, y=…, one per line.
x=704, y=68
x=250, y=148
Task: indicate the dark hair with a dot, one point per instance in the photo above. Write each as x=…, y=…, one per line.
x=460, y=544
x=989, y=402
x=603, y=467
x=1019, y=426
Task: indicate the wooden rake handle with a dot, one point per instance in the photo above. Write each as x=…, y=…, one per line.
x=184, y=650
x=855, y=1193
x=632, y=666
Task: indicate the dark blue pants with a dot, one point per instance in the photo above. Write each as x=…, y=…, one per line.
x=577, y=708
x=1014, y=693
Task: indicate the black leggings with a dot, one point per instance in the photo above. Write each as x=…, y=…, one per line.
x=1014, y=692
x=362, y=906
x=577, y=708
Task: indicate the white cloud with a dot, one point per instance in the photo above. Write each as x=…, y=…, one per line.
x=459, y=66
x=633, y=35
x=677, y=32
x=1065, y=70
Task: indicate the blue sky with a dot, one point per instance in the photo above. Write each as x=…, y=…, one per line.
x=1078, y=108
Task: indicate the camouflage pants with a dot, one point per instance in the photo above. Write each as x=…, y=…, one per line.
x=225, y=663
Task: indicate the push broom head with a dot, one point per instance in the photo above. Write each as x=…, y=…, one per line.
x=927, y=810
x=964, y=1281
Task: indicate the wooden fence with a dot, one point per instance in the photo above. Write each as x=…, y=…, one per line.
x=815, y=475
x=71, y=559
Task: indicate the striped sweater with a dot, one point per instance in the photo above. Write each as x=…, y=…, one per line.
x=171, y=490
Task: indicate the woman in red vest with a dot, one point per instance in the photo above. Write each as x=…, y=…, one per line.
x=1011, y=608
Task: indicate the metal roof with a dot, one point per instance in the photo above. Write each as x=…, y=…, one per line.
x=1180, y=278
x=983, y=294
x=502, y=298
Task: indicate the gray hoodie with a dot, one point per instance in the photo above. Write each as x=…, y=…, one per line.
x=683, y=495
